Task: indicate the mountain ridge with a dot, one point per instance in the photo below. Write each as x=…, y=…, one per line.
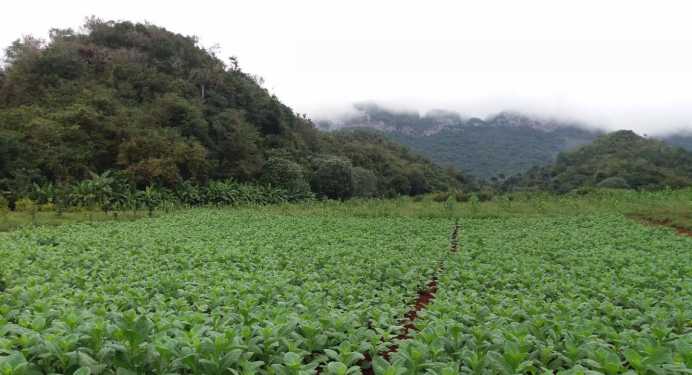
x=482, y=147
x=621, y=159
x=501, y=144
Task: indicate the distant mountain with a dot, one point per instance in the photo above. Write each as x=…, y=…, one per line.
x=501, y=145
x=683, y=140
x=620, y=159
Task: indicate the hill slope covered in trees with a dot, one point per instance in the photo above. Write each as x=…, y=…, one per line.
x=501, y=145
x=683, y=140
x=505, y=144
x=158, y=109
x=620, y=159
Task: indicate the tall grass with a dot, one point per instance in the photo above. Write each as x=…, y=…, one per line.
x=13, y=220
x=670, y=206
x=670, y=202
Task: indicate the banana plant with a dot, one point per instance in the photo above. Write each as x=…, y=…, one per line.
x=151, y=198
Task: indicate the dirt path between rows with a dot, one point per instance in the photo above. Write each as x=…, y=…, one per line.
x=424, y=298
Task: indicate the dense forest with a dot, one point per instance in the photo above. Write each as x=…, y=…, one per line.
x=683, y=140
x=621, y=159
x=494, y=148
x=501, y=145
x=151, y=108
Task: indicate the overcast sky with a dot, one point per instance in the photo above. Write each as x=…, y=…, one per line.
x=617, y=64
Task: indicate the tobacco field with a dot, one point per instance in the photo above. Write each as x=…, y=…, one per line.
x=589, y=295
x=246, y=291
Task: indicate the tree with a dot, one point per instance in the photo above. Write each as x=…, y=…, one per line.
x=364, y=182
x=285, y=174
x=173, y=111
x=163, y=158
x=236, y=146
x=398, y=184
x=418, y=182
x=333, y=178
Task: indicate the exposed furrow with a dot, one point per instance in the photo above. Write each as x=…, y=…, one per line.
x=425, y=297
x=667, y=223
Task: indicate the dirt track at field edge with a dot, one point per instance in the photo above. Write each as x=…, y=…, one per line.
x=666, y=223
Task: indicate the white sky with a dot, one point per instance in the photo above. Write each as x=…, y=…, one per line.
x=618, y=64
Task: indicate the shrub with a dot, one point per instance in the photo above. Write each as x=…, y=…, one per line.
x=460, y=196
x=222, y=193
x=583, y=191
x=614, y=183
x=25, y=205
x=485, y=195
x=4, y=204
x=441, y=197
x=44, y=194
x=47, y=207
x=230, y=192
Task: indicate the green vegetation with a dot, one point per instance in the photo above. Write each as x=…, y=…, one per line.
x=210, y=230
x=683, y=140
x=677, y=217
x=116, y=194
x=523, y=149
x=156, y=109
x=560, y=283
x=208, y=291
x=14, y=220
x=675, y=203
x=584, y=295
x=618, y=160
x=541, y=283
x=501, y=145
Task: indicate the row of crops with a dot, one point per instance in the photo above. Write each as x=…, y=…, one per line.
x=210, y=292
x=249, y=292
x=590, y=295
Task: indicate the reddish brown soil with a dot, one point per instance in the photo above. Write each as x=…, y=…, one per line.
x=668, y=223
x=454, y=240
x=424, y=298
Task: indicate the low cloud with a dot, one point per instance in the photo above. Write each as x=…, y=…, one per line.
x=650, y=120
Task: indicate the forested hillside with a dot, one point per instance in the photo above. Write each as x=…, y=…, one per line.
x=620, y=159
x=501, y=145
x=683, y=140
x=158, y=110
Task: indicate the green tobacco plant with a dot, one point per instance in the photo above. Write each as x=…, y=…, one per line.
x=587, y=294
x=209, y=291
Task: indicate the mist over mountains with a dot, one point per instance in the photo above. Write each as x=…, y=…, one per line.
x=503, y=144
